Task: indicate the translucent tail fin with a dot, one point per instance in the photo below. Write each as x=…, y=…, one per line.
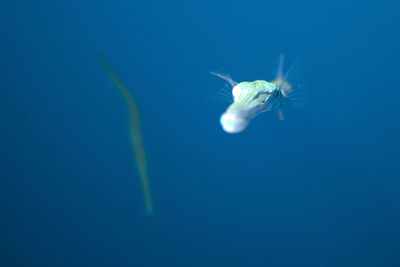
x=279, y=72
x=290, y=85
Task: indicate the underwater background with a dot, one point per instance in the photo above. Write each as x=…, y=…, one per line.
x=321, y=188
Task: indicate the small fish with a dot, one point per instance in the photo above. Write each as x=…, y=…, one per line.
x=253, y=98
x=134, y=131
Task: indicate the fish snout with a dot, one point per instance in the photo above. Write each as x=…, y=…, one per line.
x=233, y=122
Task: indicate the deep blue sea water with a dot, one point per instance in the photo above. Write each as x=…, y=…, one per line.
x=321, y=188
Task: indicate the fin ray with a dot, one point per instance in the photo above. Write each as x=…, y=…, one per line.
x=225, y=77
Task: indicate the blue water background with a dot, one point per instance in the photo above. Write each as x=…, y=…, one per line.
x=321, y=188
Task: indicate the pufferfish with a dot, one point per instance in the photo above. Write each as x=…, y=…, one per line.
x=253, y=98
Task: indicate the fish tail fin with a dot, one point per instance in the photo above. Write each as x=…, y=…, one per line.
x=279, y=72
x=291, y=85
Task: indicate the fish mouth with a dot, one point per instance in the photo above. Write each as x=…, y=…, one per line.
x=233, y=122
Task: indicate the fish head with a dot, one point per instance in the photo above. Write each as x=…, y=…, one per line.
x=249, y=99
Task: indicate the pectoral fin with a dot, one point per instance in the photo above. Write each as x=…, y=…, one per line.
x=280, y=114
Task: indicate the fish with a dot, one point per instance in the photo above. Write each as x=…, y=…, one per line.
x=252, y=98
x=135, y=132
